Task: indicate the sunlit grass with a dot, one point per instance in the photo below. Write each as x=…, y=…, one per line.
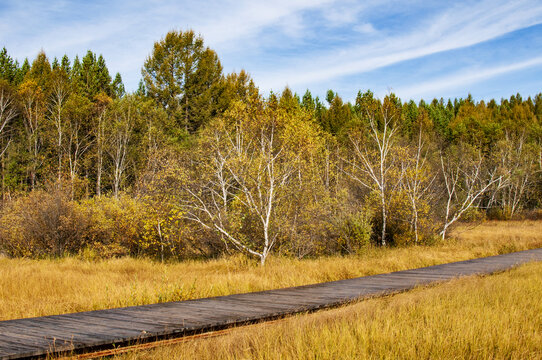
x=492, y=317
x=45, y=287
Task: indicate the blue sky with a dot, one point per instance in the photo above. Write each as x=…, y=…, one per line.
x=416, y=49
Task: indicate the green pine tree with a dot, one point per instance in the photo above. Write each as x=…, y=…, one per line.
x=65, y=64
x=117, y=87
x=184, y=77
x=102, y=79
x=23, y=70
x=8, y=67
x=55, y=64
x=40, y=71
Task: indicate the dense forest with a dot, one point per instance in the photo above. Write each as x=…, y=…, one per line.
x=198, y=163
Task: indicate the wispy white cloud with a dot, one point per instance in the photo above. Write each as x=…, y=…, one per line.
x=347, y=12
x=126, y=31
x=246, y=19
x=302, y=43
x=462, y=78
x=458, y=27
x=365, y=28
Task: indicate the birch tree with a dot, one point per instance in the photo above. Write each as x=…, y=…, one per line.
x=466, y=178
x=56, y=107
x=101, y=106
x=8, y=111
x=122, y=123
x=418, y=180
x=33, y=105
x=374, y=164
x=159, y=191
x=78, y=137
x=249, y=172
x=516, y=160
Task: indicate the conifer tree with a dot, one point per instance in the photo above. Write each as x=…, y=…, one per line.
x=87, y=74
x=102, y=79
x=65, y=64
x=184, y=77
x=117, y=87
x=75, y=75
x=94, y=75
x=40, y=71
x=21, y=73
x=55, y=64
x=141, y=90
x=288, y=101
x=308, y=102
x=337, y=116
x=235, y=87
x=8, y=67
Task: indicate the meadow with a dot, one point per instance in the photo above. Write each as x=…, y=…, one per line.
x=481, y=317
x=46, y=287
x=490, y=317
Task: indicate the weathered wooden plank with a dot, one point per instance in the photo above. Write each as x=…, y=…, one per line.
x=39, y=332
x=122, y=320
x=91, y=332
x=282, y=299
x=265, y=305
x=10, y=343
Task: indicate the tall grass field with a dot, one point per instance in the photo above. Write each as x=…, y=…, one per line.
x=491, y=317
x=497, y=316
x=46, y=287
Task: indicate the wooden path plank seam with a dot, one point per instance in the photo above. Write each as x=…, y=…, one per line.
x=103, y=329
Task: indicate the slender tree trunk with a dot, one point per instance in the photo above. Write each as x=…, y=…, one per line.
x=384, y=219
x=99, y=165
x=116, y=185
x=3, y=164
x=33, y=168
x=443, y=232
x=415, y=225
x=99, y=176
x=72, y=186
x=86, y=183
x=447, y=217
x=161, y=241
x=59, y=157
x=186, y=113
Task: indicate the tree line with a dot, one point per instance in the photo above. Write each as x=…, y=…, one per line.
x=198, y=163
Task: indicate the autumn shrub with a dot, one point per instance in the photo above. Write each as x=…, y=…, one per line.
x=49, y=223
x=114, y=225
x=133, y=226
x=307, y=224
x=497, y=213
x=534, y=214
x=42, y=224
x=473, y=215
x=355, y=231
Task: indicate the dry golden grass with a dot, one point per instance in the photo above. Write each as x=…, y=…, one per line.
x=493, y=317
x=45, y=287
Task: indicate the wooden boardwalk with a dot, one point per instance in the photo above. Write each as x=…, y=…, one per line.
x=102, y=329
